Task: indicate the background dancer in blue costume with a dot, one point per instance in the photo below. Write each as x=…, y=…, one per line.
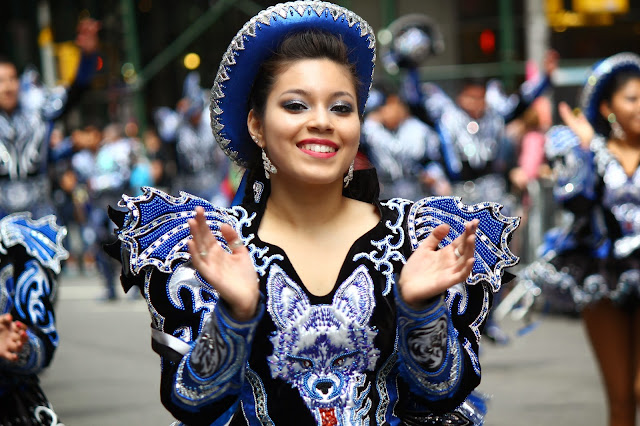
x=477, y=156
x=30, y=243
x=200, y=165
x=472, y=130
x=311, y=302
x=403, y=149
x=594, y=266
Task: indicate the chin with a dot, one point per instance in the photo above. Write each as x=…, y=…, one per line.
x=317, y=179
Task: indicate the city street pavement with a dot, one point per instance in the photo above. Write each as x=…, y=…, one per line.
x=105, y=373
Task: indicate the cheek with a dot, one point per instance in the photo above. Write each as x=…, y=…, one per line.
x=351, y=133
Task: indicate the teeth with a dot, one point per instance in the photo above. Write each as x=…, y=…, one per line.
x=318, y=148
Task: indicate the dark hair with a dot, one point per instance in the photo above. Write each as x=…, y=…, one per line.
x=386, y=87
x=308, y=44
x=4, y=60
x=469, y=82
x=609, y=89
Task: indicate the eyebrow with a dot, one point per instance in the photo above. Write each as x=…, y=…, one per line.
x=306, y=93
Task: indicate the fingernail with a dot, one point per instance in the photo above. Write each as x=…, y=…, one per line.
x=20, y=324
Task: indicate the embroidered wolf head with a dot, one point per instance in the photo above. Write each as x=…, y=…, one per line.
x=322, y=350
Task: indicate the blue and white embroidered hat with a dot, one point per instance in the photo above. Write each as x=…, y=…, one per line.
x=599, y=77
x=256, y=42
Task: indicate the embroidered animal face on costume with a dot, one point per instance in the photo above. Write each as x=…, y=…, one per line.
x=322, y=350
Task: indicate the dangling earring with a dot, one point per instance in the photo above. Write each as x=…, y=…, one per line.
x=269, y=168
x=258, y=187
x=616, y=129
x=349, y=176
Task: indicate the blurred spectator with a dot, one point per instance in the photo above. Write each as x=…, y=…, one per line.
x=401, y=147
x=201, y=164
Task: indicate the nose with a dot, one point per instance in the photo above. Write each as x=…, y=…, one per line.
x=321, y=120
x=324, y=387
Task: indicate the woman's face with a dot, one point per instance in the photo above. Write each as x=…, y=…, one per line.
x=625, y=104
x=310, y=129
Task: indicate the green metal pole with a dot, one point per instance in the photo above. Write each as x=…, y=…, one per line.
x=133, y=54
x=388, y=11
x=507, y=43
x=345, y=3
x=249, y=7
x=184, y=39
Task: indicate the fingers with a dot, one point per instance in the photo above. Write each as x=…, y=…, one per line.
x=464, y=245
x=578, y=124
x=6, y=319
x=566, y=113
x=463, y=272
x=233, y=240
x=436, y=236
x=202, y=236
x=13, y=337
x=204, y=243
x=551, y=61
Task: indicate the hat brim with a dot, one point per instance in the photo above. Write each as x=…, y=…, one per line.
x=598, y=79
x=256, y=42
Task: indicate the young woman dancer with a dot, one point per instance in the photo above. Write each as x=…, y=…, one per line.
x=311, y=302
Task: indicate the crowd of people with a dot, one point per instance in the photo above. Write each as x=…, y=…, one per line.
x=410, y=199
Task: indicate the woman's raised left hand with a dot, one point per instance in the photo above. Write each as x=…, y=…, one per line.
x=430, y=271
x=231, y=274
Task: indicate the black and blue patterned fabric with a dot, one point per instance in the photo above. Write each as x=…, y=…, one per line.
x=355, y=356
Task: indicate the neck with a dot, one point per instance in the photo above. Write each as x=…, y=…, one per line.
x=303, y=205
x=7, y=112
x=629, y=141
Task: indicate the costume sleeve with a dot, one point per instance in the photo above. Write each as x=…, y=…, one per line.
x=60, y=100
x=427, y=101
x=208, y=378
x=511, y=107
x=435, y=102
x=384, y=147
x=438, y=346
x=378, y=138
x=203, y=350
x=574, y=167
x=33, y=251
x=167, y=122
x=32, y=305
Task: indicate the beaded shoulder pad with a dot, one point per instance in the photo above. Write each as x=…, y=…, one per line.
x=41, y=238
x=155, y=230
x=492, y=253
x=560, y=140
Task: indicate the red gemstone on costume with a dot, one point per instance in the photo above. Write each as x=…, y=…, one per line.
x=328, y=416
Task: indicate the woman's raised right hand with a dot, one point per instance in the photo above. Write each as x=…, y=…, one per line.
x=232, y=275
x=578, y=123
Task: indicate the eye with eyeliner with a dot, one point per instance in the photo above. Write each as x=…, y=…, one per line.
x=342, y=107
x=294, y=105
